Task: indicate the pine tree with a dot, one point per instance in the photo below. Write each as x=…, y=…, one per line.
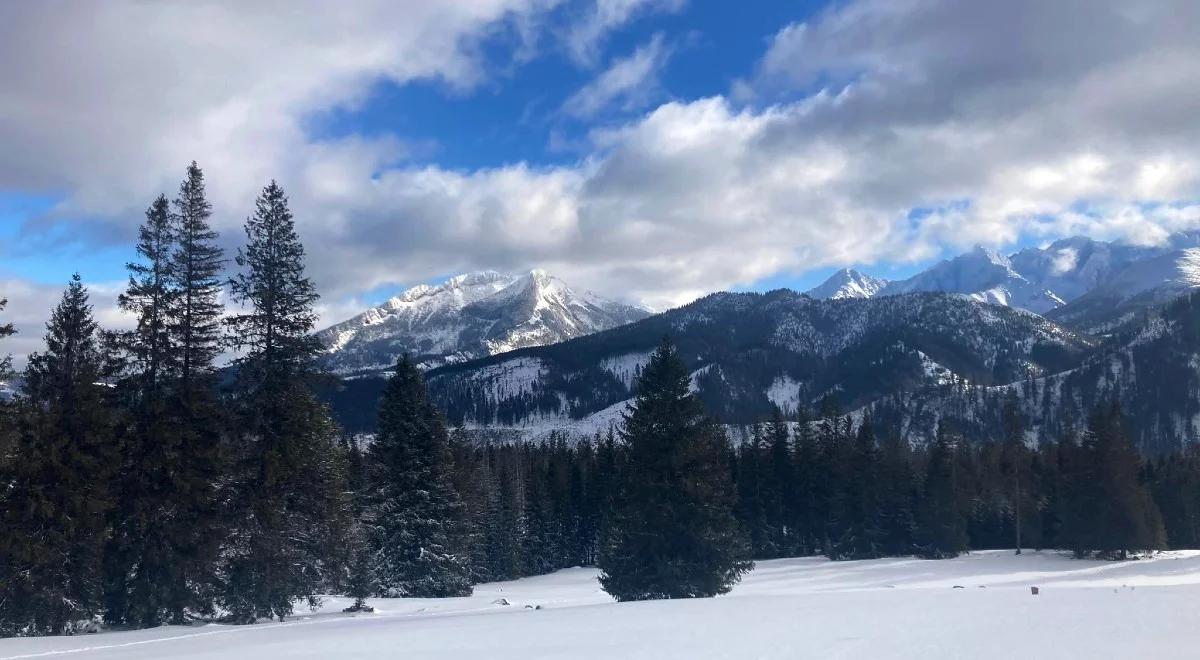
x=288, y=477
x=415, y=515
x=673, y=534
x=55, y=500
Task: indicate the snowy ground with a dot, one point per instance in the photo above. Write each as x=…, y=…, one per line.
x=793, y=608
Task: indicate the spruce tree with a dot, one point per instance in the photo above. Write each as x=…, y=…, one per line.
x=56, y=497
x=942, y=531
x=673, y=534
x=413, y=512
x=161, y=563
x=287, y=485
x=753, y=496
x=780, y=482
x=1015, y=466
x=140, y=557
x=862, y=529
x=1109, y=509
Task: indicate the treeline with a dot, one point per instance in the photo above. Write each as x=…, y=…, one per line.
x=142, y=484
x=855, y=491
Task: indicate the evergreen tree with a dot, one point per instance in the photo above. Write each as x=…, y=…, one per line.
x=752, y=493
x=942, y=530
x=55, y=499
x=195, y=268
x=897, y=496
x=1110, y=511
x=673, y=534
x=1015, y=466
x=287, y=488
x=6, y=330
x=779, y=483
x=415, y=515
x=161, y=563
x=862, y=524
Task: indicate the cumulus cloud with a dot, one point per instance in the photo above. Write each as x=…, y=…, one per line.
x=879, y=131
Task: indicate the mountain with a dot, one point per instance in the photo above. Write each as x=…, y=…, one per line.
x=748, y=352
x=1072, y=267
x=983, y=275
x=847, y=283
x=466, y=317
x=1131, y=291
x=1149, y=367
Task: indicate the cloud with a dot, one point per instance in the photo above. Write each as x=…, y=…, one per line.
x=30, y=304
x=877, y=132
x=585, y=38
x=629, y=82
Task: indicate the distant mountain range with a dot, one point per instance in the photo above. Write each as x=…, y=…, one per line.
x=1058, y=328
x=1089, y=284
x=466, y=317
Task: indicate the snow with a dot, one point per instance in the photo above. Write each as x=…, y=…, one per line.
x=625, y=367
x=976, y=606
x=983, y=275
x=847, y=283
x=784, y=392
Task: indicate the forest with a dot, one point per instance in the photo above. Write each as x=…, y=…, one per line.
x=146, y=483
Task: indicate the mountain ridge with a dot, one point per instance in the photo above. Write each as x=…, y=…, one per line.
x=468, y=316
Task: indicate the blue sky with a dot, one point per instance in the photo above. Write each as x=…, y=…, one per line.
x=515, y=116
x=650, y=150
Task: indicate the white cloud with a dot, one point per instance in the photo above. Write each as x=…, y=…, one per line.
x=993, y=120
x=30, y=304
x=585, y=38
x=629, y=82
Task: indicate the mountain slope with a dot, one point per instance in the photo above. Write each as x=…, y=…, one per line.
x=847, y=283
x=982, y=275
x=750, y=352
x=466, y=317
x=1141, y=285
x=1151, y=367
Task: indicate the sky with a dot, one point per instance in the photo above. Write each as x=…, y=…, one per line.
x=648, y=150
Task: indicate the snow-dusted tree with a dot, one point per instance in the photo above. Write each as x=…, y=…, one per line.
x=414, y=514
x=673, y=534
x=53, y=504
x=288, y=471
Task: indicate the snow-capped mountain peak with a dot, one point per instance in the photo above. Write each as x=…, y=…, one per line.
x=847, y=283
x=467, y=316
x=984, y=275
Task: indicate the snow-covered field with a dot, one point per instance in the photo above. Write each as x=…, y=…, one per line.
x=977, y=606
